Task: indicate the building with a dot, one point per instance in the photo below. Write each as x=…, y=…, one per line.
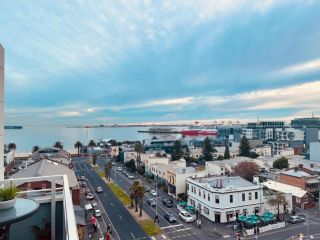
x=297, y=196
x=228, y=132
x=162, y=144
x=1, y=112
x=315, y=151
x=126, y=156
x=263, y=150
x=264, y=131
x=221, y=198
x=310, y=126
x=153, y=159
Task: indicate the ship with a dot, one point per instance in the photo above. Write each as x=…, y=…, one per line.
x=198, y=130
x=13, y=127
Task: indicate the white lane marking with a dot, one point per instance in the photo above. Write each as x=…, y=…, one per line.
x=183, y=235
x=179, y=230
x=163, y=236
x=120, y=217
x=172, y=226
x=133, y=236
x=111, y=204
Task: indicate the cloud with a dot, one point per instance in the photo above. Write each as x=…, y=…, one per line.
x=305, y=67
x=70, y=114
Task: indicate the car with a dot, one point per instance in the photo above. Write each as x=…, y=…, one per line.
x=113, y=163
x=147, y=189
x=130, y=176
x=169, y=217
x=185, y=216
x=84, y=184
x=123, y=171
x=167, y=202
x=97, y=212
x=89, y=196
x=82, y=178
x=94, y=205
x=153, y=193
x=151, y=202
x=194, y=164
x=119, y=168
x=99, y=189
x=296, y=219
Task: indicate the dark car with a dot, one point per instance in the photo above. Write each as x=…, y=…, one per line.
x=169, y=217
x=167, y=202
x=147, y=189
x=151, y=202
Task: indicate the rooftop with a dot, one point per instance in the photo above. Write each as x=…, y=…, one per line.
x=294, y=173
x=224, y=182
x=285, y=188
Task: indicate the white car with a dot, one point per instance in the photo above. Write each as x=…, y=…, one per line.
x=119, y=168
x=153, y=193
x=130, y=176
x=97, y=212
x=185, y=216
x=99, y=189
x=89, y=196
x=82, y=178
x=113, y=163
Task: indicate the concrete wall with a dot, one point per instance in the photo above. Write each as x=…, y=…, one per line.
x=1, y=111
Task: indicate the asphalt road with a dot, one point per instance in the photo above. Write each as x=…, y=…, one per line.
x=123, y=224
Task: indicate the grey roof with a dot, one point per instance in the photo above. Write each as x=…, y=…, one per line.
x=223, y=182
x=294, y=173
x=46, y=167
x=80, y=216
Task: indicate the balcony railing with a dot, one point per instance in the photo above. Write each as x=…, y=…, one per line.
x=52, y=195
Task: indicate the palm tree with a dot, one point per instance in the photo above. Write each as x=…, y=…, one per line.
x=134, y=189
x=92, y=143
x=94, y=159
x=107, y=169
x=78, y=145
x=35, y=149
x=58, y=145
x=278, y=200
x=140, y=194
x=42, y=233
x=139, y=149
x=12, y=147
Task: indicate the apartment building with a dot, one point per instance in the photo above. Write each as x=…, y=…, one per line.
x=222, y=198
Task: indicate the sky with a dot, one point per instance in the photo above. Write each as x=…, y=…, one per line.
x=128, y=61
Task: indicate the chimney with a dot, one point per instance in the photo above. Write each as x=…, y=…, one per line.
x=300, y=166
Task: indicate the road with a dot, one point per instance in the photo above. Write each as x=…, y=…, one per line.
x=123, y=224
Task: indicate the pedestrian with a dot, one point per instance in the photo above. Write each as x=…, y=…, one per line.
x=156, y=218
x=108, y=236
x=95, y=227
x=90, y=235
x=199, y=223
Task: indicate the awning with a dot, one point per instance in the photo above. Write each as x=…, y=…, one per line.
x=182, y=203
x=88, y=206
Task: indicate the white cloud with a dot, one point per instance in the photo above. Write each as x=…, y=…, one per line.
x=300, y=68
x=70, y=114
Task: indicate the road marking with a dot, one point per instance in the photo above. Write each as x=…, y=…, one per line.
x=163, y=236
x=183, y=235
x=172, y=226
x=111, y=204
x=179, y=230
x=120, y=217
x=133, y=236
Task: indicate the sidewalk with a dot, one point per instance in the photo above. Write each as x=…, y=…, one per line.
x=216, y=230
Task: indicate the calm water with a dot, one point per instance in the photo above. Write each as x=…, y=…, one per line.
x=28, y=137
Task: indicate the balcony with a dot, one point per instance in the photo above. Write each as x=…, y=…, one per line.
x=55, y=206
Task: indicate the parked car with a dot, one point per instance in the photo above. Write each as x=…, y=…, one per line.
x=119, y=168
x=97, y=212
x=167, y=202
x=130, y=176
x=147, y=189
x=185, y=216
x=89, y=196
x=84, y=184
x=151, y=202
x=296, y=219
x=99, y=189
x=82, y=178
x=194, y=164
x=94, y=205
x=169, y=217
x=113, y=163
x=153, y=193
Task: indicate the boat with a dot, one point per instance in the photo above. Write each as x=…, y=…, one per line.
x=200, y=131
x=13, y=127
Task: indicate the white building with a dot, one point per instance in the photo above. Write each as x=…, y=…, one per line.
x=196, y=153
x=263, y=150
x=1, y=111
x=290, y=134
x=315, y=151
x=153, y=159
x=222, y=198
x=248, y=133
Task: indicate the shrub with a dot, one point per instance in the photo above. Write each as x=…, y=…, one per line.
x=8, y=193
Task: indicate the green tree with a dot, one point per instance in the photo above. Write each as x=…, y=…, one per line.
x=244, y=147
x=42, y=233
x=278, y=200
x=220, y=158
x=177, y=152
x=35, y=149
x=92, y=144
x=78, y=145
x=138, y=149
x=94, y=159
x=226, y=153
x=58, y=145
x=253, y=155
x=107, y=170
x=281, y=163
x=113, y=142
x=12, y=147
x=140, y=194
x=133, y=190
x=207, y=149
x=131, y=165
x=246, y=170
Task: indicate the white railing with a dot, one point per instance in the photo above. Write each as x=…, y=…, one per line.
x=53, y=195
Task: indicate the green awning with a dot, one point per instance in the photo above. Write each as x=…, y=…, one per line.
x=251, y=221
x=190, y=207
x=182, y=203
x=242, y=218
x=254, y=217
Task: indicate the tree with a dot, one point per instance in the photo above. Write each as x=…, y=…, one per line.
x=78, y=145
x=177, y=152
x=12, y=147
x=220, y=158
x=92, y=144
x=138, y=149
x=140, y=193
x=278, y=200
x=131, y=165
x=113, y=142
x=58, y=145
x=133, y=190
x=253, y=155
x=107, y=169
x=246, y=170
x=244, y=147
x=207, y=149
x=281, y=163
x=35, y=149
x=42, y=233
x=226, y=153
x=94, y=159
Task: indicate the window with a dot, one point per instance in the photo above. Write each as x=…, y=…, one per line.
x=231, y=198
x=217, y=199
x=256, y=195
x=199, y=192
x=206, y=210
x=209, y=197
x=187, y=186
x=243, y=196
x=204, y=194
x=250, y=196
